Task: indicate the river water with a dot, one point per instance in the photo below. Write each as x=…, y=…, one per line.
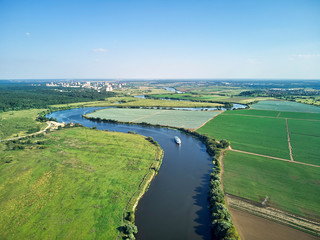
x=176, y=205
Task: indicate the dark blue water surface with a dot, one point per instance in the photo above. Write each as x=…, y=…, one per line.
x=176, y=205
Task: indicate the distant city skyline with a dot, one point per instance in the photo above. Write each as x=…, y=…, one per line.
x=141, y=39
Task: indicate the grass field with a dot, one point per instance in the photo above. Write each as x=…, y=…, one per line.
x=74, y=188
x=267, y=136
x=138, y=102
x=15, y=123
x=291, y=187
x=210, y=97
x=285, y=106
x=175, y=118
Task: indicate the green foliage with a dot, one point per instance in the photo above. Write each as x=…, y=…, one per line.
x=18, y=96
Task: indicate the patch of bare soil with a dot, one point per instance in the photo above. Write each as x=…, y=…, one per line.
x=255, y=222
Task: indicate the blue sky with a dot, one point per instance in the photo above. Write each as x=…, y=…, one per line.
x=160, y=39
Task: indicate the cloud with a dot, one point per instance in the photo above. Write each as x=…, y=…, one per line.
x=100, y=50
x=314, y=55
x=27, y=34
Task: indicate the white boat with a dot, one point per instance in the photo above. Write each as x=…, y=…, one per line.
x=178, y=141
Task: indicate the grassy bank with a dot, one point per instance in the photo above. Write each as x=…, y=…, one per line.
x=72, y=183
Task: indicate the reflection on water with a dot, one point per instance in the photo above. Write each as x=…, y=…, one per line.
x=176, y=205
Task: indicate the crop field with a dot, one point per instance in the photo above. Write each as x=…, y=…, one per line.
x=285, y=106
x=275, y=114
x=291, y=187
x=305, y=140
x=267, y=136
x=300, y=115
x=175, y=118
x=71, y=184
x=285, y=184
x=263, y=113
x=15, y=123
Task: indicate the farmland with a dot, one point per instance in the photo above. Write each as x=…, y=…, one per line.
x=75, y=184
x=175, y=118
x=255, y=177
x=286, y=106
x=17, y=123
x=305, y=140
x=210, y=97
x=264, y=132
x=266, y=136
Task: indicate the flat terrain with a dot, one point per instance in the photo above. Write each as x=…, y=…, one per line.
x=265, y=132
x=209, y=97
x=18, y=123
x=251, y=227
x=71, y=184
x=285, y=106
x=291, y=187
x=267, y=136
x=305, y=140
x=175, y=118
x=139, y=102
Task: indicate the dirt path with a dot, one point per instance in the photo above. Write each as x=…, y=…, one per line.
x=282, y=159
x=289, y=142
x=278, y=114
x=50, y=124
x=207, y=121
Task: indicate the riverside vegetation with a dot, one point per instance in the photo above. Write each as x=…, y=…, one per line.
x=72, y=182
x=222, y=225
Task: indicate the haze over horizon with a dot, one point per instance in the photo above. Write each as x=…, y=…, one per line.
x=160, y=39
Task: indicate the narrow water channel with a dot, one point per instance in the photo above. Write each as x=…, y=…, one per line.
x=175, y=206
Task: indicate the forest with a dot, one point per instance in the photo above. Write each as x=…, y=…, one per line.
x=19, y=96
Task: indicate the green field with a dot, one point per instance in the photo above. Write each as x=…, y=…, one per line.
x=285, y=106
x=267, y=136
x=209, y=97
x=291, y=187
x=71, y=184
x=263, y=113
x=305, y=140
x=18, y=123
x=138, y=102
x=174, y=118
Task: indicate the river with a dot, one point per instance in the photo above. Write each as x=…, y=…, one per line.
x=176, y=205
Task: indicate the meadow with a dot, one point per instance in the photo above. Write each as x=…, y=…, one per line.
x=285, y=106
x=209, y=97
x=174, y=118
x=138, y=102
x=262, y=135
x=289, y=187
x=19, y=123
x=71, y=184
